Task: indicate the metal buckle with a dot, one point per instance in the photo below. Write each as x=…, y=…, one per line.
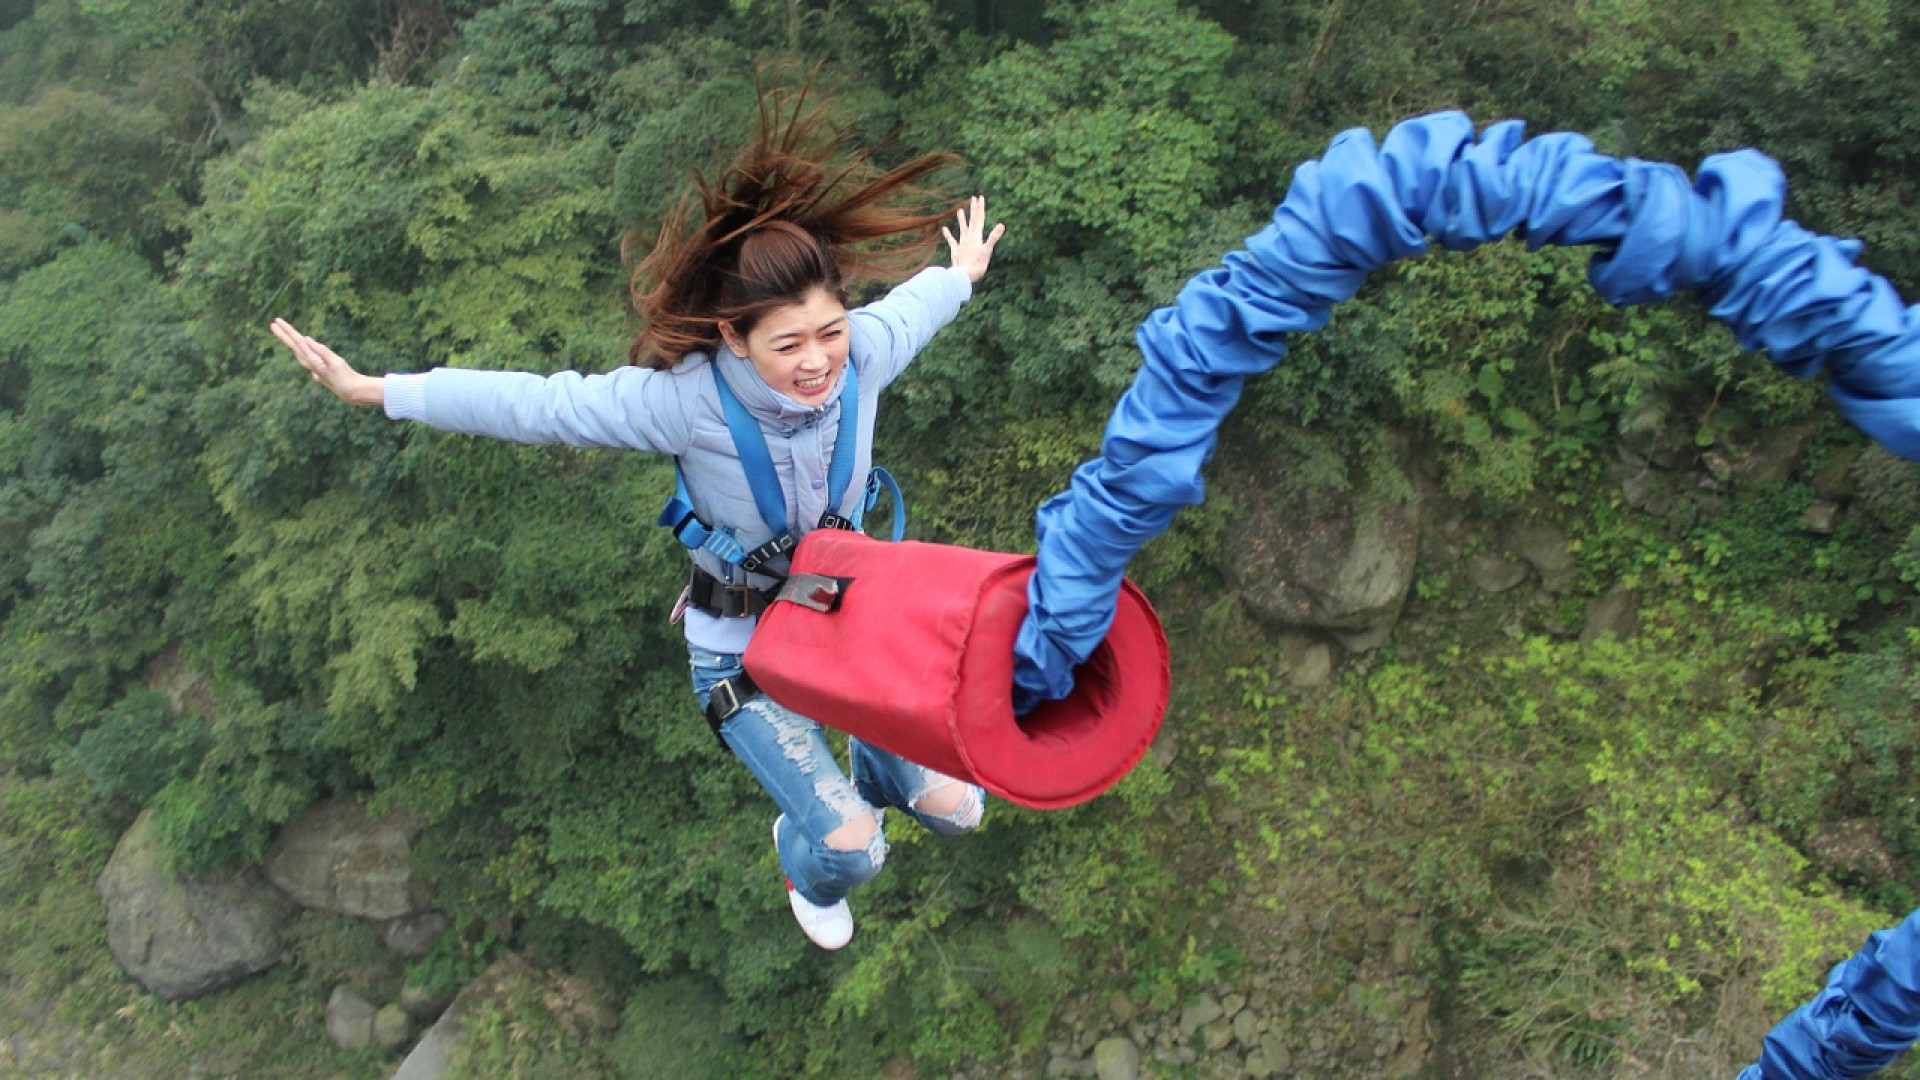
x=718, y=711
x=738, y=600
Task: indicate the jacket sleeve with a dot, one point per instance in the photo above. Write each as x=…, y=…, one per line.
x=632, y=408
x=889, y=332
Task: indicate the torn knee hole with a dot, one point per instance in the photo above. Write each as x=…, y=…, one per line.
x=942, y=801
x=855, y=834
x=952, y=801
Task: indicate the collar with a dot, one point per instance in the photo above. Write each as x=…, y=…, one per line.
x=765, y=403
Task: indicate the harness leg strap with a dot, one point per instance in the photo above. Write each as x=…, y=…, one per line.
x=728, y=697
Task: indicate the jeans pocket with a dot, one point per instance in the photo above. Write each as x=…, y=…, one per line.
x=709, y=668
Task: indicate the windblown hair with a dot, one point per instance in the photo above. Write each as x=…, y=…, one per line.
x=798, y=208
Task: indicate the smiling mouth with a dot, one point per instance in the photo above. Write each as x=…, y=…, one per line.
x=810, y=385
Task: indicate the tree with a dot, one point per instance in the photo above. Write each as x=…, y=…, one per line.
x=100, y=492
x=76, y=164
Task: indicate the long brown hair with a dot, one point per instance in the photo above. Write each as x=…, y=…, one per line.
x=799, y=208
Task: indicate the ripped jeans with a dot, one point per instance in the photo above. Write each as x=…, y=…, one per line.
x=789, y=755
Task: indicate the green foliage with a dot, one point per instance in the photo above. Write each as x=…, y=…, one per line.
x=1736, y=896
x=988, y=497
x=1116, y=142
x=394, y=212
x=137, y=747
x=1490, y=373
x=222, y=597
x=1576, y=813
x=453, y=963
x=1814, y=85
x=339, y=949
x=1840, y=759
x=102, y=513
x=1884, y=488
x=223, y=47
x=76, y=164
x=1514, y=371
x=533, y=1024
x=544, y=65
x=207, y=825
x=53, y=823
x=1117, y=131
x=684, y=110
x=1090, y=885
x=54, y=841
x=676, y=1029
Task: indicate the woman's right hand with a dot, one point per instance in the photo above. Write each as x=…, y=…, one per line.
x=328, y=369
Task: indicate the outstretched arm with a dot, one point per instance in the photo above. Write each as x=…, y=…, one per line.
x=328, y=369
x=631, y=407
x=972, y=250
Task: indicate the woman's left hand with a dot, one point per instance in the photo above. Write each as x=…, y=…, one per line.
x=971, y=251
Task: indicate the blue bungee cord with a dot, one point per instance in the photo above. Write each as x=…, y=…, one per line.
x=1781, y=288
x=1866, y=1015
x=1794, y=293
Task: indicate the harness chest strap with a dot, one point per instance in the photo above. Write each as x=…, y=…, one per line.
x=720, y=598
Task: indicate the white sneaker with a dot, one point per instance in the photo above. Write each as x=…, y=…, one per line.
x=828, y=927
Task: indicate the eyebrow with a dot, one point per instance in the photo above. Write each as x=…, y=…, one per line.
x=822, y=328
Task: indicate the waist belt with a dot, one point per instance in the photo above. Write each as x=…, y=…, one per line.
x=717, y=598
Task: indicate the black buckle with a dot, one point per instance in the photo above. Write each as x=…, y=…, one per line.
x=719, y=599
x=831, y=520
x=772, y=549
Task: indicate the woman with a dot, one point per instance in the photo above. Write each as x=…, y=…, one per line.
x=746, y=284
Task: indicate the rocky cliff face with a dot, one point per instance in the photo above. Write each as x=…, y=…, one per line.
x=182, y=936
x=1339, y=565
x=337, y=857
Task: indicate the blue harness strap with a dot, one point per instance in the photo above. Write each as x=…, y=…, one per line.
x=877, y=479
x=751, y=444
x=764, y=481
x=687, y=527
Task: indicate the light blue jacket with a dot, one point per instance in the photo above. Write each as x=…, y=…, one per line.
x=678, y=412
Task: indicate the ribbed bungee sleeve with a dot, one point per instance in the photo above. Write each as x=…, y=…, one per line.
x=1721, y=236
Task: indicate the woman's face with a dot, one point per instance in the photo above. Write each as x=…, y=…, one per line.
x=798, y=349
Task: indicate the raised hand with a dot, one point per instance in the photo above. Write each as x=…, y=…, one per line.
x=972, y=252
